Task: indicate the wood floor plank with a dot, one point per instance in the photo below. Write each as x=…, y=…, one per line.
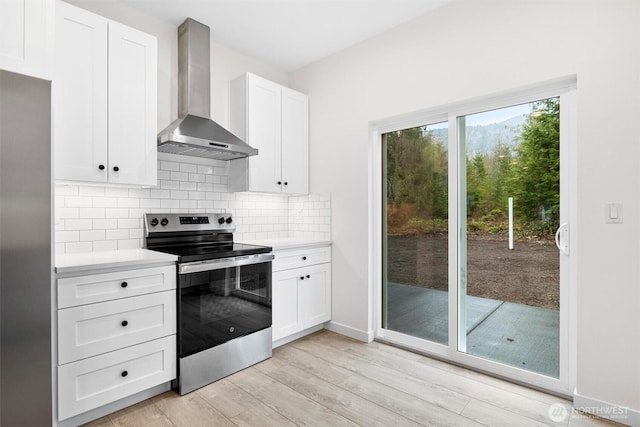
x=493, y=394
x=190, y=410
x=238, y=405
x=289, y=403
x=141, y=414
x=408, y=383
x=404, y=404
x=495, y=416
x=339, y=400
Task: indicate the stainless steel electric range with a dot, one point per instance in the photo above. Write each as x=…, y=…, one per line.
x=224, y=295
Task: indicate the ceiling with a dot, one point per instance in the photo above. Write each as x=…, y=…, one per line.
x=289, y=34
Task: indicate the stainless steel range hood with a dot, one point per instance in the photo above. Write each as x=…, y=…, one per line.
x=194, y=133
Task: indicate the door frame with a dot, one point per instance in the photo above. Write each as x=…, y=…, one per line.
x=565, y=88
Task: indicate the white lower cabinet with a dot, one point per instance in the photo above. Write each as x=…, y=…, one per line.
x=301, y=290
x=99, y=380
x=115, y=336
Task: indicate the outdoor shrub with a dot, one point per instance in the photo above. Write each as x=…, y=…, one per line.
x=475, y=226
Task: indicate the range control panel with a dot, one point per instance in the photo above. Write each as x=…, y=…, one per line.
x=194, y=220
x=170, y=222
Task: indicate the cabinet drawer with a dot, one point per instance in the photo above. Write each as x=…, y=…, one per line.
x=99, y=380
x=93, y=329
x=80, y=290
x=297, y=258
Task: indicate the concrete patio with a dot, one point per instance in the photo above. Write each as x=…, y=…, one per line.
x=514, y=334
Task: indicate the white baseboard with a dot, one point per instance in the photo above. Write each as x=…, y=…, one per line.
x=297, y=335
x=613, y=412
x=350, y=332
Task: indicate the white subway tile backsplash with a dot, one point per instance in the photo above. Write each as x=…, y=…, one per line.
x=77, y=202
x=188, y=186
x=188, y=167
x=169, y=166
x=78, y=224
x=67, y=236
x=105, y=245
x=91, y=235
x=116, y=234
x=92, y=212
x=95, y=218
x=116, y=213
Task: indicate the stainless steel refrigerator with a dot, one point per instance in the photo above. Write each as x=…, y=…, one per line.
x=25, y=251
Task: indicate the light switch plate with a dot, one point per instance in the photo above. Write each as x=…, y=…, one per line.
x=613, y=213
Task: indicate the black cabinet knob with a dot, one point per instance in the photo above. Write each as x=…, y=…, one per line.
x=308, y=276
x=279, y=182
x=286, y=183
x=164, y=221
x=229, y=220
x=154, y=222
x=124, y=373
x=101, y=167
x=301, y=277
x=124, y=323
x=304, y=258
x=116, y=169
x=124, y=284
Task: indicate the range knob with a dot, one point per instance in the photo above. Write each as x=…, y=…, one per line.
x=154, y=222
x=229, y=220
x=164, y=221
x=221, y=220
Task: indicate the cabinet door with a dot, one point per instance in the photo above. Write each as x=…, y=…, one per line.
x=315, y=295
x=26, y=28
x=133, y=66
x=97, y=381
x=80, y=95
x=287, y=315
x=264, y=133
x=92, y=329
x=295, y=141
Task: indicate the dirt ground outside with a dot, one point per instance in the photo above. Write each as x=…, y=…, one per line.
x=528, y=274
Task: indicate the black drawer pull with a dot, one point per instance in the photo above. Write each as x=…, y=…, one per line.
x=301, y=277
x=308, y=276
x=124, y=323
x=124, y=284
x=304, y=258
x=124, y=374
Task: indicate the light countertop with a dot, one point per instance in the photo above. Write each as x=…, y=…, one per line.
x=284, y=243
x=73, y=263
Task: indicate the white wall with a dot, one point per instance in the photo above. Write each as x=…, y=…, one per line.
x=471, y=49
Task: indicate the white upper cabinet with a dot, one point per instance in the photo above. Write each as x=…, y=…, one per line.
x=105, y=96
x=26, y=35
x=275, y=120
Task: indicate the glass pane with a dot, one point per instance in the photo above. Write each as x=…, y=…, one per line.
x=509, y=282
x=415, y=203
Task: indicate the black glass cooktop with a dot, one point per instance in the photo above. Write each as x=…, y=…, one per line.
x=204, y=252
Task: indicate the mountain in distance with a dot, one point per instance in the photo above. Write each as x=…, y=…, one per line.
x=483, y=139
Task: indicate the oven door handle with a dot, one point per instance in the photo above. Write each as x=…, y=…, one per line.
x=218, y=264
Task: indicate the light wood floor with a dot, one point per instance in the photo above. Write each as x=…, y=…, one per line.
x=328, y=380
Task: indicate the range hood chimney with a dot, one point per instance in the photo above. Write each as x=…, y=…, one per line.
x=194, y=133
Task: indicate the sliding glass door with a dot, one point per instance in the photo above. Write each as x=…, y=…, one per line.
x=416, y=278
x=475, y=239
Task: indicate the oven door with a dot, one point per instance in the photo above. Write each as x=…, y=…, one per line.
x=221, y=300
